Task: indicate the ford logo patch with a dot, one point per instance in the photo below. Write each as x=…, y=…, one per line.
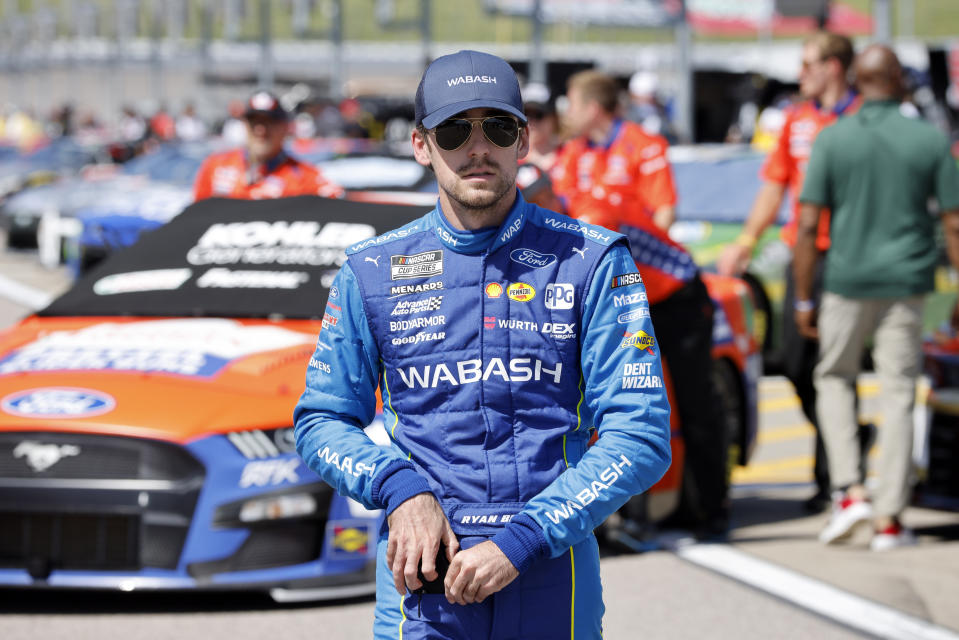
x=57, y=402
x=532, y=258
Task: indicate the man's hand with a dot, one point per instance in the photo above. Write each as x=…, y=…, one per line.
x=806, y=324
x=417, y=527
x=734, y=259
x=477, y=573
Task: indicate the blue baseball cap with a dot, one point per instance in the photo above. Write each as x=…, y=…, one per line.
x=466, y=80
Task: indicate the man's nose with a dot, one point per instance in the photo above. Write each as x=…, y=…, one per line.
x=477, y=144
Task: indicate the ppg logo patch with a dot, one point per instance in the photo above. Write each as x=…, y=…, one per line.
x=559, y=296
x=56, y=402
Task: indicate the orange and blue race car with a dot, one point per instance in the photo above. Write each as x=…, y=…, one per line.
x=145, y=414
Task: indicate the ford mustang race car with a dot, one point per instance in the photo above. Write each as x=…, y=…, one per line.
x=146, y=414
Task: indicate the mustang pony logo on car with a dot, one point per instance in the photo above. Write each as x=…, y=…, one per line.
x=41, y=457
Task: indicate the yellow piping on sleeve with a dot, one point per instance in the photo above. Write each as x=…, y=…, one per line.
x=582, y=396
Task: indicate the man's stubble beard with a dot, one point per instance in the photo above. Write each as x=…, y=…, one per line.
x=479, y=202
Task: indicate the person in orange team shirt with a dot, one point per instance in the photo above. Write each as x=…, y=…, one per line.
x=616, y=175
x=612, y=163
x=263, y=169
x=826, y=58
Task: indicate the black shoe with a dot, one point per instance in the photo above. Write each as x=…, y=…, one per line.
x=818, y=503
x=714, y=530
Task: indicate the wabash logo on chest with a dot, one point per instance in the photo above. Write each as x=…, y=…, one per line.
x=420, y=265
x=468, y=371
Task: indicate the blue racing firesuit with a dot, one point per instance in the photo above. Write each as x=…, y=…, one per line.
x=497, y=352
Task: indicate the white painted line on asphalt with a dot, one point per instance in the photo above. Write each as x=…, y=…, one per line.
x=826, y=600
x=23, y=295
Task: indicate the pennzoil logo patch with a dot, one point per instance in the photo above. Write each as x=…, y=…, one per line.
x=420, y=265
x=521, y=292
x=625, y=280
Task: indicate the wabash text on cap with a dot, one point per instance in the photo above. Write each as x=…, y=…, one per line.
x=266, y=104
x=466, y=80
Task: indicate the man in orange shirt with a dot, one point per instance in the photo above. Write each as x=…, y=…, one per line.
x=612, y=163
x=616, y=175
x=826, y=58
x=263, y=169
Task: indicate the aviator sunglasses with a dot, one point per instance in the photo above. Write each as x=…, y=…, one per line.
x=453, y=133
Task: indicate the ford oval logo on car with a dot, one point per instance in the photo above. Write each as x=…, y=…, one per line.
x=57, y=402
x=532, y=258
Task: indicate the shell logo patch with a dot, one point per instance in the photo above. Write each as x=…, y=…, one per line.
x=521, y=292
x=494, y=290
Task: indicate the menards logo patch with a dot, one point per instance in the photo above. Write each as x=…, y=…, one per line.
x=521, y=292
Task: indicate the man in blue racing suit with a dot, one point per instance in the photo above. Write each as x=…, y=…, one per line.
x=500, y=335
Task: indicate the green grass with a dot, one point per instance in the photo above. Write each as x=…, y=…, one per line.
x=467, y=21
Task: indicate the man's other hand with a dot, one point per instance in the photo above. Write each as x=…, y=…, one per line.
x=477, y=573
x=417, y=527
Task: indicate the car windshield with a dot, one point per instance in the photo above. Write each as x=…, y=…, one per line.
x=233, y=258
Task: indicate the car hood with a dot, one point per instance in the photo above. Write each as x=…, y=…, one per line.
x=174, y=379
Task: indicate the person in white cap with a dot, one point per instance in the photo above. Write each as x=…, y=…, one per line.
x=644, y=106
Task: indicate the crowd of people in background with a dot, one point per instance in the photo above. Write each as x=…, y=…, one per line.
x=597, y=152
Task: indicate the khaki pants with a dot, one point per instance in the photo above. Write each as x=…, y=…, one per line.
x=844, y=326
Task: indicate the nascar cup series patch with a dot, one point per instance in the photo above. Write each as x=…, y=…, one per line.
x=521, y=292
x=420, y=265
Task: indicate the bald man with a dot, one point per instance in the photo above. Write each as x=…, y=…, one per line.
x=876, y=170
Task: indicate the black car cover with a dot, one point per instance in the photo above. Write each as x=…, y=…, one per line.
x=233, y=258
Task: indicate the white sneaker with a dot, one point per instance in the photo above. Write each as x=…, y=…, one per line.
x=893, y=537
x=847, y=514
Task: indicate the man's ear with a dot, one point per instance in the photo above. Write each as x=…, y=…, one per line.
x=522, y=147
x=421, y=147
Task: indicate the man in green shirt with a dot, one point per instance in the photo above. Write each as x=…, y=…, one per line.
x=876, y=171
